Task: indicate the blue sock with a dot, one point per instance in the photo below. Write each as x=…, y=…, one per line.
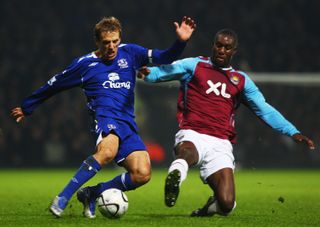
x=122, y=182
x=86, y=171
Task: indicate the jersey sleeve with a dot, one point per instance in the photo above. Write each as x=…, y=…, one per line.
x=144, y=56
x=167, y=56
x=139, y=53
x=255, y=100
x=180, y=70
x=69, y=78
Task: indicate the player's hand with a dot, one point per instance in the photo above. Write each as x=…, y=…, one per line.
x=17, y=114
x=185, y=29
x=299, y=138
x=143, y=72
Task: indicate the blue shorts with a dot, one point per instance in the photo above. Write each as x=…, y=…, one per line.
x=129, y=142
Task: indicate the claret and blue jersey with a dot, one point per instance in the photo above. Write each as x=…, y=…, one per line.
x=209, y=97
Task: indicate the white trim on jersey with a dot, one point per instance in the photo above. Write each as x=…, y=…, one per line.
x=150, y=55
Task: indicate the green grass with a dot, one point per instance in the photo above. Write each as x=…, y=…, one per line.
x=264, y=198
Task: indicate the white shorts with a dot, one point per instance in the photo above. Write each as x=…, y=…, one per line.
x=214, y=153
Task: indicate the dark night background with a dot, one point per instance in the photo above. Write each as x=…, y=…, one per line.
x=40, y=38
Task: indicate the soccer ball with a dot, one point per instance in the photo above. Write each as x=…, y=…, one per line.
x=113, y=203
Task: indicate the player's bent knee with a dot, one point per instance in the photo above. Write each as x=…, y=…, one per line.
x=141, y=176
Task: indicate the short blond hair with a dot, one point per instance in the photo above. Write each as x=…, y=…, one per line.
x=107, y=24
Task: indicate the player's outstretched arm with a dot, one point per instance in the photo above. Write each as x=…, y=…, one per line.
x=185, y=29
x=299, y=138
x=17, y=114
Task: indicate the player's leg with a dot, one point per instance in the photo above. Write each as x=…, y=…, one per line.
x=222, y=183
x=133, y=157
x=186, y=156
x=138, y=166
x=217, y=170
x=138, y=173
x=223, y=201
x=105, y=152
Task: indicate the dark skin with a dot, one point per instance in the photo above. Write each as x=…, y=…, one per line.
x=222, y=181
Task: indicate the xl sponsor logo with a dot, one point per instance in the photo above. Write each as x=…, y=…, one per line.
x=112, y=82
x=218, y=88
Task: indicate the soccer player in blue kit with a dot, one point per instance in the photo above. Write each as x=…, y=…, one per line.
x=107, y=77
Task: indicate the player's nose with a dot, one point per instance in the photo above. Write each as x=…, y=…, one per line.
x=221, y=50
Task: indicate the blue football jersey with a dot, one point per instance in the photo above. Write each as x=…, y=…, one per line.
x=108, y=85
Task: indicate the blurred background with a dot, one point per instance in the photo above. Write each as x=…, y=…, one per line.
x=278, y=40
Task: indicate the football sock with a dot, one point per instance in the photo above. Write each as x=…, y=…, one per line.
x=86, y=171
x=122, y=182
x=182, y=166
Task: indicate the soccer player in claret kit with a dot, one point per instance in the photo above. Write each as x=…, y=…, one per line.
x=107, y=77
x=210, y=92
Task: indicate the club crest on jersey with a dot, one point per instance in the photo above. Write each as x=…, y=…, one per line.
x=235, y=79
x=122, y=63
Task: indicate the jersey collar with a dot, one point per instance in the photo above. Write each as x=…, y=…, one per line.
x=224, y=69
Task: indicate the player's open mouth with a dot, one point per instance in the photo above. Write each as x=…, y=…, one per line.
x=111, y=55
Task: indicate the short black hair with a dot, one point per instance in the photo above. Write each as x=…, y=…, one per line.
x=227, y=32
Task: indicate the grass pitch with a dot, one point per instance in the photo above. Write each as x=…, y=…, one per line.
x=264, y=198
